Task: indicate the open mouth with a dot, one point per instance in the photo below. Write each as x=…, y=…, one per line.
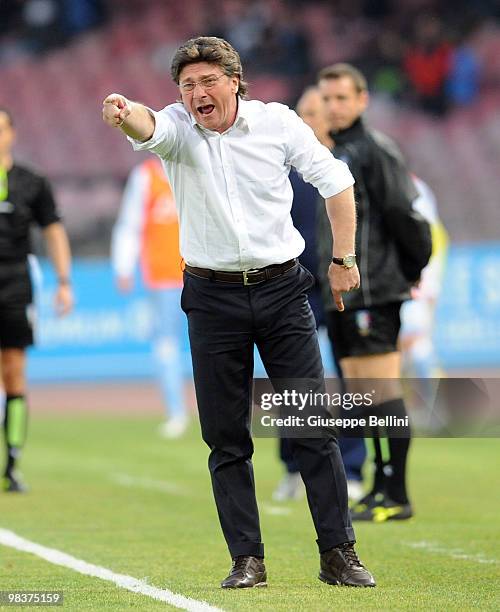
x=206, y=109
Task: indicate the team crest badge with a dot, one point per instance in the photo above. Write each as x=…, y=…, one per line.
x=363, y=322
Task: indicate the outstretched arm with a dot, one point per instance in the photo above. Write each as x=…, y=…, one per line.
x=134, y=119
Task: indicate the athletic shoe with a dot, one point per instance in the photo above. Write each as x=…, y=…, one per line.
x=246, y=573
x=362, y=510
x=291, y=486
x=174, y=427
x=12, y=484
x=391, y=511
x=381, y=510
x=341, y=566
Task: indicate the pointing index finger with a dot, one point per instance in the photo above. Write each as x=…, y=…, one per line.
x=337, y=296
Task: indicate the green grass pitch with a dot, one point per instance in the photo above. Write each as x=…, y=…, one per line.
x=108, y=490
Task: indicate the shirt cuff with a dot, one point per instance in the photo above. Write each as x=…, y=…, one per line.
x=153, y=141
x=340, y=182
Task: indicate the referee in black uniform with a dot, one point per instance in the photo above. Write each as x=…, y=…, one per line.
x=25, y=198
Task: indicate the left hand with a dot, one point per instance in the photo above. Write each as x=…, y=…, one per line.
x=63, y=300
x=342, y=280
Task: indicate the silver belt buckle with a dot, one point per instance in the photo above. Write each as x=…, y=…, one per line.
x=245, y=277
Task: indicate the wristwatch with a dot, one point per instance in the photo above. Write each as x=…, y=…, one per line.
x=348, y=261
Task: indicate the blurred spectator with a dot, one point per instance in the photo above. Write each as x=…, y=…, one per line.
x=427, y=64
x=284, y=48
x=81, y=15
x=147, y=233
x=241, y=23
x=372, y=34
x=40, y=25
x=385, y=70
x=9, y=15
x=268, y=34
x=462, y=87
x=419, y=359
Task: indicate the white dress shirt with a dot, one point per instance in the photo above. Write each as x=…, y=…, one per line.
x=232, y=190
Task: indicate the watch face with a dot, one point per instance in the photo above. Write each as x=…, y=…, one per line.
x=350, y=261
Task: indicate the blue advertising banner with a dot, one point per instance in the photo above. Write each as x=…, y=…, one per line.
x=107, y=335
x=467, y=331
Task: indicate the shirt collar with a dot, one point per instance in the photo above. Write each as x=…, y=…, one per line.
x=244, y=117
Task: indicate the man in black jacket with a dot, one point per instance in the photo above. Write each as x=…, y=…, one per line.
x=393, y=244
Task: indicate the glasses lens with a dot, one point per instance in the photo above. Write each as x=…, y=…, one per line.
x=207, y=83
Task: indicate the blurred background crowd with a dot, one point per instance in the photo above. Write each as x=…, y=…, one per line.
x=433, y=68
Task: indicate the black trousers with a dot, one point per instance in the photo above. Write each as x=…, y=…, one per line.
x=225, y=321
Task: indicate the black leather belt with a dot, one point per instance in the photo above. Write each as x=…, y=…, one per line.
x=248, y=277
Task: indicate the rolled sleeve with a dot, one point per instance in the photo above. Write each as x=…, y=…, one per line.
x=164, y=136
x=336, y=179
x=313, y=160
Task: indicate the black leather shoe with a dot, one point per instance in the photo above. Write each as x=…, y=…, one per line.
x=341, y=566
x=246, y=572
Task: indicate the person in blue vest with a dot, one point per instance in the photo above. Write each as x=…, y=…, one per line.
x=310, y=108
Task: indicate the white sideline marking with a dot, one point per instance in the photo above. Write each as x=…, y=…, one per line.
x=10, y=539
x=454, y=553
x=148, y=483
x=276, y=510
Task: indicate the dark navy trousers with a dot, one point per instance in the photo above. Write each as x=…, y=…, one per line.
x=225, y=322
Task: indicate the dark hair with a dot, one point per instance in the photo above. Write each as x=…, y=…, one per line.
x=337, y=71
x=214, y=51
x=7, y=112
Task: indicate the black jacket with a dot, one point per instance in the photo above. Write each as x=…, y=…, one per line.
x=393, y=242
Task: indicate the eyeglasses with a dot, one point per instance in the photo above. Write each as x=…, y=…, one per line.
x=206, y=83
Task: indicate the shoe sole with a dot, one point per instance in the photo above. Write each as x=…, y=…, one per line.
x=396, y=518
x=259, y=585
x=335, y=582
x=382, y=516
x=380, y=521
